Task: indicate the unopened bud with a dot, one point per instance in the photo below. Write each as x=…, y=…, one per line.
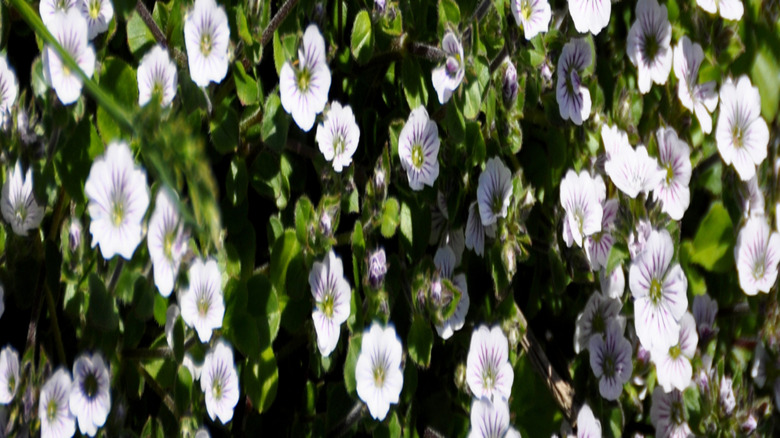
x=510, y=84
x=74, y=234
x=325, y=223
x=377, y=267
x=727, y=400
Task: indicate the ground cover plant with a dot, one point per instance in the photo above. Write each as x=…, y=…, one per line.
x=478, y=218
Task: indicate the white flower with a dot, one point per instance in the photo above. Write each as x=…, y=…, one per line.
x=9, y=90
x=633, y=171
x=332, y=296
x=202, y=433
x=638, y=238
x=675, y=157
x=98, y=14
x=445, y=262
x=758, y=369
x=532, y=15
x=673, y=364
x=490, y=419
x=742, y=134
x=304, y=89
x=701, y=99
x=580, y=200
x=598, y=312
x=753, y=204
x=418, y=148
x=70, y=30
x=171, y=315
x=156, y=75
x=726, y=395
x=50, y=10
x=704, y=311
x=446, y=78
x=476, y=232
x=757, y=253
x=610, y=360
x=207, y=37
x=573, y=97
x=195, y=368
x=494, y=191
x=598, y=245
x=57, y=421
x=729, y=9
x=590, y=15
x=219, y=382
x=90, y=398
x=378, y=371
x=167, y=241
x=668, y=414
x=660, y=292
x=18, y=203
x=588, y=426
x=118, y=197
x=488, y=371
x=614, y=284
x=9, y=374
x=338, y=136
x=202, y=304
x=648, y=44
x=615, y=141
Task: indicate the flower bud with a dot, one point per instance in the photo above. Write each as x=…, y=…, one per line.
x=377, y=267
x=379, y=5
x=749, y=425
x=727, y=400
x=325, y=223
x=510, y=84
x=74, y=235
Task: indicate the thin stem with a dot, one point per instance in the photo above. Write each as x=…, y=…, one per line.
x=115, y=276
x=426, y=51
x=353, y=416
x=158, y=34
x=166, y=398
x=55, y=325
x=281, y=14
x=250, y=120
x=154, y=353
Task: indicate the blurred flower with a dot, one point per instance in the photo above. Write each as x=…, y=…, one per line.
x=494, y=191
x=749, y=425
x=70, y=30
x=753, y=204
x=598, y=245
x=729, y=9
x=219, y=382
x=509, y=85
x=90, y=397
x=98, y=14
x=573, y=97
x=476, y=232
x=332, y=296
x=377, y=267
x=726, y=397
x=379, y=5
x=9, y=90
x=638, y=238
x=338, y=136
x=378, y=372
x=118, y=197
x=202, y=433
x=704, y=311
x=9, y=374
x=614, y=284
x=590, y=15
x=758, y=367
x=660, y=293
x=490, y=419
x=757, y=253
x=598, y=312
x=418, y=148
x=742, y=134
x=166, y=240
x=701, y=99
x=615, y=140
x=207, y=37
x=195, y=368
x=455, y=239
x=74, y=234
x=668, y=414
x=532, y=15
x=202, y=304
x=171, y=315
x=447, y=78
x=304, y=89
x=634, y=171
x=156, y=75
x=51, y=10
x=610, y=360
x=488, y=371
x=672, y=190
x=445, y=262
x=580, y=199
x=18, y=204
x=673, y=364
x=648, y=44
x=439, y=217
x=57, y=421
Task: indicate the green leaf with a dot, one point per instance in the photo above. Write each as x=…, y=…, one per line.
x=476, y=143
x=246, y=86
x=183, y=389
x=102, y=313
x=714, y=241
x=765, y=74
x=284, y=250
x=304, y=217
x=413, y=81
x=390, y=217
x=261, y=379
x=270, y=176
x=242, y=331
x=617, y=255
x=74, y=160
x=477, y=77
x=362, y=42
x=420, y=341
x=113, y=78
x=236, y=181
x=139, y=37
x=353, y=351
x=275, y=123
x=263, y=304
x=449, y=16
x=224, y=128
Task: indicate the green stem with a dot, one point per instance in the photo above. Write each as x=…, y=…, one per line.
x=164, y=396
x=55, y=325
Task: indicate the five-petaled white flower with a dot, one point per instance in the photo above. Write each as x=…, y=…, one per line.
x=634, y=171
x=332, y=296
x=338, y=136
x=757, y=253
x=729, y=9
x=167, y=241
x=648, y=44
x=598, y=245
x=675, y=157
x=207, y=37
x=118, y=197
x=580, y=200
x=476, y=232
x=490, y=419
x=9, y=90
x=378, y=372
x=9, y=374
x=704, y=311
x=447, y=77
x=70, y=30
x=50, y=10
x=532, y=15
x=445, y=262
x=488, y=371
x=668, y=414
x=615, y=141
x=701, y=99
x=157, y=76
x=660, y=292
x=90, y=397
x=418, y=148
x=742, y=133
x=573, y=97
x=594, y=319
x=202, y=304
x=590, y=15
x=610, y=360
x=494, y=191
x=57, y=421
x=304, y=89
x=219, y=382
x=588, y=426
x=673, y=364
x=98, y=14
x=18, y=203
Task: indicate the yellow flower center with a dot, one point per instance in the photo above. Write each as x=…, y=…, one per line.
x=417, y=156
x=94, y=9
x=206, y=44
